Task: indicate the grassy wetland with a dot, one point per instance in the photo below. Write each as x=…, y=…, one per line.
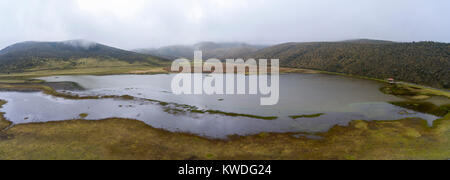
x=130, y=139
x=119, y=138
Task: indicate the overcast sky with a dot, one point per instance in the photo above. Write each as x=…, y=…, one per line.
x=133, y=24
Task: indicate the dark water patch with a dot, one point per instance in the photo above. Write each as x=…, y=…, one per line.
x=308, y=136
x=175, y=108
x=64, y=86
x=307, y=116
x=242, y=115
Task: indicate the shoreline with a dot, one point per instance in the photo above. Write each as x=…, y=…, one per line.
x=358, y=140
x=27, y=77
x=48, y=89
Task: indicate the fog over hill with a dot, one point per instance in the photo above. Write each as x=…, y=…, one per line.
x=209, y=49
x=156, y=23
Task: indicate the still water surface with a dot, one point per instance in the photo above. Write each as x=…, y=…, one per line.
x=341, y=99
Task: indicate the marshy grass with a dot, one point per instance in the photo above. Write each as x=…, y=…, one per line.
x=83, y=115
x=93, y=70
x=130, y=139
x=413, y=92
x=424, y=107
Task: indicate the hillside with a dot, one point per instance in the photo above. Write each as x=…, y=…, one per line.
x=210, y=50
x=426, y=63
x=68, y=54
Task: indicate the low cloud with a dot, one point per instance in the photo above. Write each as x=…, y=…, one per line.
x=80, y=43
x=134, y=24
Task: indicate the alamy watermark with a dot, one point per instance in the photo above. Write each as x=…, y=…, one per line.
x=263, y=78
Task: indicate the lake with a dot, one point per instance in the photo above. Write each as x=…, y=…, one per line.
x=318, y=102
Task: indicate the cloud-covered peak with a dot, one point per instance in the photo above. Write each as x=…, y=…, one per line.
x=80, y=43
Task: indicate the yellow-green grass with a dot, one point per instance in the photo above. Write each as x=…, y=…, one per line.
x=426, y=90
x=413, y=92
x=17, y=80
x=130, y=139
x=3, y=122
x=424, y=107
x=83, y=115
x=54, y=64
x=84, y=71
x=284, y=70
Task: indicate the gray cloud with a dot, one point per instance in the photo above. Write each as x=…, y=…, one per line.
x=151, y=23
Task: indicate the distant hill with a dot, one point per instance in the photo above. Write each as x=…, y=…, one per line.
x=426, y=63
x=367, y=41
x=29, y=55
x=210, y=50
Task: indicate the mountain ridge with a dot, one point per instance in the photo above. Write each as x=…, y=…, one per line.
x=29, y=54
x=426, y=63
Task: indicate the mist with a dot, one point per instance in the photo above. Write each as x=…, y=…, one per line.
x=85, y=44
x=132, y=24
